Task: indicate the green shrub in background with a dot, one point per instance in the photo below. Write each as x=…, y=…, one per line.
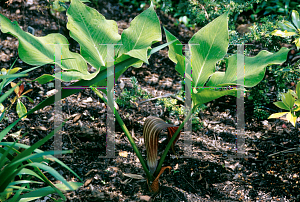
x=290, y=29
x=260, y=36
x=196, y=12
x=290, y=102
x=193, y=12
x=128, y=97
x=133, y=5
x=276, y=7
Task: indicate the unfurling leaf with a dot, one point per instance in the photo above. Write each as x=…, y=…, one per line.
x=21, y=89
x=171, y=131
x=154, y=187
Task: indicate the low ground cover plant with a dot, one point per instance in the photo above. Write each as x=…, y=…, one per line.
x=278, y=78
x=20, y=164
x=128, y=98
x=90, y=29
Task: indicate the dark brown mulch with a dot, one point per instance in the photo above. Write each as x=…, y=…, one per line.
x=269, y=171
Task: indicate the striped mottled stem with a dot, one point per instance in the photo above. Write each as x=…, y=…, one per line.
x=152, y=128
x=176, y=134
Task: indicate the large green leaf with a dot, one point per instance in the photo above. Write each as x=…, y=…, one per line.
x=41, y=50
x=288, y=100
x=144, y=30
x=281, y=105
x=91, y=30
x=254, y=69
x=286, y=25
x=298, y=90
x=175, y=48
x=208, y=46
x=119, y=67
x=211, y=43
x=206, y=95
x=295, y=19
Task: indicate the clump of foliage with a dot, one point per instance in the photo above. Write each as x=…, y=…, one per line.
x=291, y=102
x=20, y=164
x=290, y=29
x=133, y=49
x=260, y=36
x=275, y=7
x=130, y=96
x=202, y=12
x=132, y=5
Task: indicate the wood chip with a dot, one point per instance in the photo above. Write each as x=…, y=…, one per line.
x=76, y=118
x=39, y=128
x=134, y=176
x=88, y=181
x=145, y=198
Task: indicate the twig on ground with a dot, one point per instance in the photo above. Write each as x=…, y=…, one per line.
x=296, y=149
x=162, y=96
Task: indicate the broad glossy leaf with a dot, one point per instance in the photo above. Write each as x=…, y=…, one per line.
x=211, y=43
x=175, y=48
x=119, y=67
x=206, y=95
x=293, y=93
x=144, y=30
x=296, y=19
x=281, y=105
x=41, y=50
x=255, y=68
x=298, y=89
x=180, y=66
x=288, y=100
x=286, y=25
x=91, y=30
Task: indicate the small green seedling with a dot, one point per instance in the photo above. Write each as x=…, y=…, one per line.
x=290, y=101
x=21, y=109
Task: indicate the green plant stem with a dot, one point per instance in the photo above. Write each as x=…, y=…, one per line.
x=124, y=128
x=162, y=159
